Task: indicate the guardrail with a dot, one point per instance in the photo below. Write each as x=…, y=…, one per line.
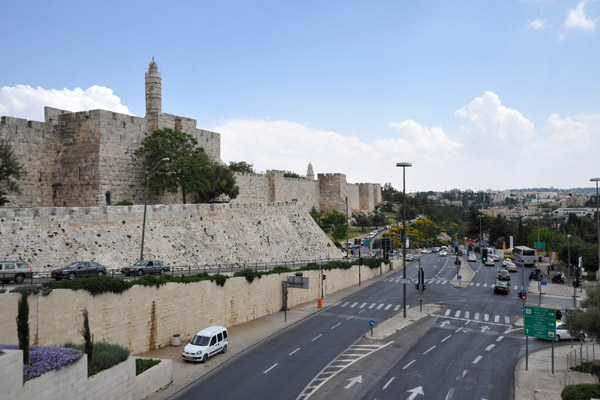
x=582, y=355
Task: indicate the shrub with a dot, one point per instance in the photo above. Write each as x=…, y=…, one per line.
x=250, y=274
x=143, y=364
x=95, y=285
x=124, y=203
x=589, y=368
x=582, y=391
x=87, y=336
x=372, y=262
x=106, y=355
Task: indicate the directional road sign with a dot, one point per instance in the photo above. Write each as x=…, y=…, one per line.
x=539, y=245
x=540, y=322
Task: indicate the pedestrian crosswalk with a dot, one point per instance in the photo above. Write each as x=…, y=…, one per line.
x=441, y=281
x=370, y=306
x=477, y=316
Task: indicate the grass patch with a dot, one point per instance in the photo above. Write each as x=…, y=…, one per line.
x=143, y=364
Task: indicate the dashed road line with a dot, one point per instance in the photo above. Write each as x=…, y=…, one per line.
x=272, y=366
x=294, y=351
x=388, y=383
x=476, y=360
x=409, y=364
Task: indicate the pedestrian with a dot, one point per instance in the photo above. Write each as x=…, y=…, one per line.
x=552, y=266
x=548, y=270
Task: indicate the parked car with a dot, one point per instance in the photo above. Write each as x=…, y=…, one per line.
x=501, y=287
x=503, y=275
x=206, y=343
x=16, y=271
x=79, y=269
x=146, y=267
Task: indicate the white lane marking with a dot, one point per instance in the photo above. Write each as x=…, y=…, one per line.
x=336, y=325
x=388, y=307
x=361, y=311
x=467, y=314
x=372, y=305
x=272, y=366
x=446, y=338
x=408, y=365
x=458, y=330
x=496, y=318
x=471, y=284
x=447, y=312
x=506, y=319
x=499, y=338
x=350, y=317
x=363, y=305
x=354, y=304
x=428, y=350
x=478, y=284
x=316, y=337
x=476, y=360
x=379, y=306
x=476, y=316
x=486, y=317
x=449, y=394
x=294, y=351
x=345, y=304
x=388, y=383
x=485, y=285
x=491, y=346
x=468, y=322
x=397, y=307
x=457, y=314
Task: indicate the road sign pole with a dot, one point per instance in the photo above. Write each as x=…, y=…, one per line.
x=526, y=353
x=420, y=288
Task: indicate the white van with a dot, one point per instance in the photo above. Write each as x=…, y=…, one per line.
x=206, y=343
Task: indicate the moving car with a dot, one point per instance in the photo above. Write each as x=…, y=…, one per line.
x=472, y=257
x=511, y=266
x=426, y=251
x=501, y=287
x=79, y=269
x=16, y=271
x=410, y=257
x=443, y=253
x=206, y=343
x=503, y=275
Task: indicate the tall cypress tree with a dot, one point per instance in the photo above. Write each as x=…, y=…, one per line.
x=23, y=326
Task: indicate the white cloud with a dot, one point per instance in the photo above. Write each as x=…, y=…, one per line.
x=495, y=121
x=537, y=24
x=24, y=101
x=577, y=18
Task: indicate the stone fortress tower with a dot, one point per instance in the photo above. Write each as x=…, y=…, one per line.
x=85, y=158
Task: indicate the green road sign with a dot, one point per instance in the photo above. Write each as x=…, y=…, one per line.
x=539, y=245
x=539, y=322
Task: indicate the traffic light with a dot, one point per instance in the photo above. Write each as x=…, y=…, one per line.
x=484, y=255
x=420, y=285
x=456, y=250
x=558, y=315
x=523, y=295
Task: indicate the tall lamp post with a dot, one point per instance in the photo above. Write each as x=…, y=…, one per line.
x=404, y=165
x=146, y=203
x=598, y=223
x=347, y=228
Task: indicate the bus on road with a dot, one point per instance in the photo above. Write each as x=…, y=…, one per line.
x=524, y=256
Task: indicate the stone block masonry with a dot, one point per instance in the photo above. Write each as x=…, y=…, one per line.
x=145, y=318
x=180, y=235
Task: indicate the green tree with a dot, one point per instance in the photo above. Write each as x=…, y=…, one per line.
x=336, y=223
x=189, y=169
x=10, y=171
x=587, y=318
x=362, y=220
x=87, y=336
x=23, y=326
x=290, y=174
x=241, y=166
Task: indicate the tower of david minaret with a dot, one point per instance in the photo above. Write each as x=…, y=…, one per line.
x=153, y=96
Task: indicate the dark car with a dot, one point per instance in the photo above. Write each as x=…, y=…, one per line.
x=79, y=269
x=16, y=271
x=501, y=287
x=146, y=267
x=503, y=275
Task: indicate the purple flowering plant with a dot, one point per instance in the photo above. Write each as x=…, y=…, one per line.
x=45, y=358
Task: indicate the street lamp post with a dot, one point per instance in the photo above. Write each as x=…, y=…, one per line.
x=347, y=228
x=404, y=165
x=146, y=204
x=597, y=223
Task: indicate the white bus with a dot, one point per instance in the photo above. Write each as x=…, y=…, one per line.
x=524, y=256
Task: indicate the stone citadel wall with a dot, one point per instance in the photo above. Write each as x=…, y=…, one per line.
x=180, y=235
x=144, y=318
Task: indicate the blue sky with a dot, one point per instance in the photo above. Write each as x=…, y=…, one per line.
x=476, y=94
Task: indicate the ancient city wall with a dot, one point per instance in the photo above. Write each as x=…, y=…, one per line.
x=191, y=234
x=210, y=141
x=145, y=318
x=365, y=191
x=353, y=199
x=253, y=187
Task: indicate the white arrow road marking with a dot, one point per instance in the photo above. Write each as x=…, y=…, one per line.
x=414, y=392
x=484, y=328
x=445, y=322
x=388, y=383
x=356, y=379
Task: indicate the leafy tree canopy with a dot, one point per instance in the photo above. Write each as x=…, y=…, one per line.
x=241, y=166
x=10, y=171
x=290, y=174
x=189, y=168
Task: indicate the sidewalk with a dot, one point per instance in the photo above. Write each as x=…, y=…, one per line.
x=538, y=382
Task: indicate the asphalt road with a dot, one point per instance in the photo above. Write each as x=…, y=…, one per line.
x=468, y=350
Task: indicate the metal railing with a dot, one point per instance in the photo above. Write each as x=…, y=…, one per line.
x=582, y=355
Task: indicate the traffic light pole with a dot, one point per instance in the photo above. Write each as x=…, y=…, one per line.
x=421, y=284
